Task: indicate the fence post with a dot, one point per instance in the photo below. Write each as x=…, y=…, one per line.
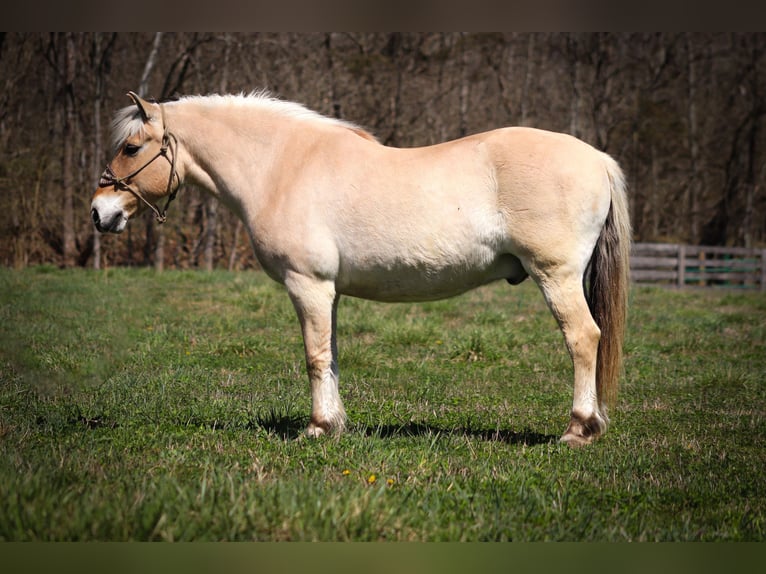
x=681, y=265
x=702, y=257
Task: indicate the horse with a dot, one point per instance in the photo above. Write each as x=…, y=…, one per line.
x=331, y=211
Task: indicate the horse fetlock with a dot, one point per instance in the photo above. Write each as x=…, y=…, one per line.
x=583, y=430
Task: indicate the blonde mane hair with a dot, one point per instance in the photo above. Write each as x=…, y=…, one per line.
x=128, y=122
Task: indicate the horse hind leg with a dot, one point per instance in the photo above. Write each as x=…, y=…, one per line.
x=566, y=299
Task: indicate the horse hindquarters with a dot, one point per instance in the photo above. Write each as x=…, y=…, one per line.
x=592, y=317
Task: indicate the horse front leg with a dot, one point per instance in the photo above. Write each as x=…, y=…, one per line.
x=316, y=303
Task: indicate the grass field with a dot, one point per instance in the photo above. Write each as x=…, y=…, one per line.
x=136, y=406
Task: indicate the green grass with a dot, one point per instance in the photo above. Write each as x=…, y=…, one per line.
x=136, y=406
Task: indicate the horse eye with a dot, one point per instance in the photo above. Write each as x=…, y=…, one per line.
x=131, y=149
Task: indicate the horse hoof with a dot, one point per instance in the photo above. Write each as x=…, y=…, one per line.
x=582, y=431
x=575, y=441
x=314, y=431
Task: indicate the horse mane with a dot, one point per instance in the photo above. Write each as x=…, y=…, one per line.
x=266, y=101
x=127, y=121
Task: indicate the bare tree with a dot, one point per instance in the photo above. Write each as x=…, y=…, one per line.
x=693, y=187
x=529, y=74
x=155, y=234
x=503, y=68
x=211, y=203
x=575, y=60
x=731, y=220
x=151, y=59
x=69, y=134
x=97, y=139
x=102, y=51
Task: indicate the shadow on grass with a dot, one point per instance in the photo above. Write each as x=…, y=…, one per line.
x=285, y=426
x=290, y=427
x=526, y=436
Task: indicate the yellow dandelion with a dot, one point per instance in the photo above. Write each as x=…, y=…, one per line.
x=390, y=482
x=371, y=479
x=346, y=472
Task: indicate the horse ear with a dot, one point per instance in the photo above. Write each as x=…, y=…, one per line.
x=143, y=106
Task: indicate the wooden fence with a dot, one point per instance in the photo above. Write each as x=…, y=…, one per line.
x=698, y=266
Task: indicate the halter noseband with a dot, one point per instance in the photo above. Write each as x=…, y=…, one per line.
x=169, y=142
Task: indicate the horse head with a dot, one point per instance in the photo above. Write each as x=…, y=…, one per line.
x=134, y=179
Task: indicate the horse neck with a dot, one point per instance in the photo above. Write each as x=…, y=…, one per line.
x=226, y=150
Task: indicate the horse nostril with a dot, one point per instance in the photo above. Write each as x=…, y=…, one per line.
x=94, y=215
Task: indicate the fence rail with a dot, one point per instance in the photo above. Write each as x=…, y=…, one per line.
x=698, y=265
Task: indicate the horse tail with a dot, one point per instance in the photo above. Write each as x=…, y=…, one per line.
x=607, y=288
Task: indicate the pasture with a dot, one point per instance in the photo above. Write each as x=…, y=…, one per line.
x=143, y=406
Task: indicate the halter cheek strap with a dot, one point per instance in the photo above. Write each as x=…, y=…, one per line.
x=169, y=143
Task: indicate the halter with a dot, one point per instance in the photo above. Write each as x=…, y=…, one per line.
x=169, y=142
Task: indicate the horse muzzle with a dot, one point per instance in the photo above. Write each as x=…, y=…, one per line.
x=108, y=215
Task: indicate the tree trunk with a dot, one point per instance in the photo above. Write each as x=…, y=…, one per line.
x=529, y=72
x=692, y=189
x=97, y=135
x=574, y=72
x=143, y=86
x=333, y=96
x=654, y=202
x=464, y=89
x=211, y=204
x=504, y=74
x=234, y=243
x=211, y=231
x=155, y=234
x=67, y=223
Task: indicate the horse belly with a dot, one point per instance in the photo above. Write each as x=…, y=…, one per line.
x=406, y=280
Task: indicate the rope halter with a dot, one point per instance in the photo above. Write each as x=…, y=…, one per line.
x=169, y=143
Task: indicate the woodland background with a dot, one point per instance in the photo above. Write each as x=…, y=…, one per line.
x=682, y=112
